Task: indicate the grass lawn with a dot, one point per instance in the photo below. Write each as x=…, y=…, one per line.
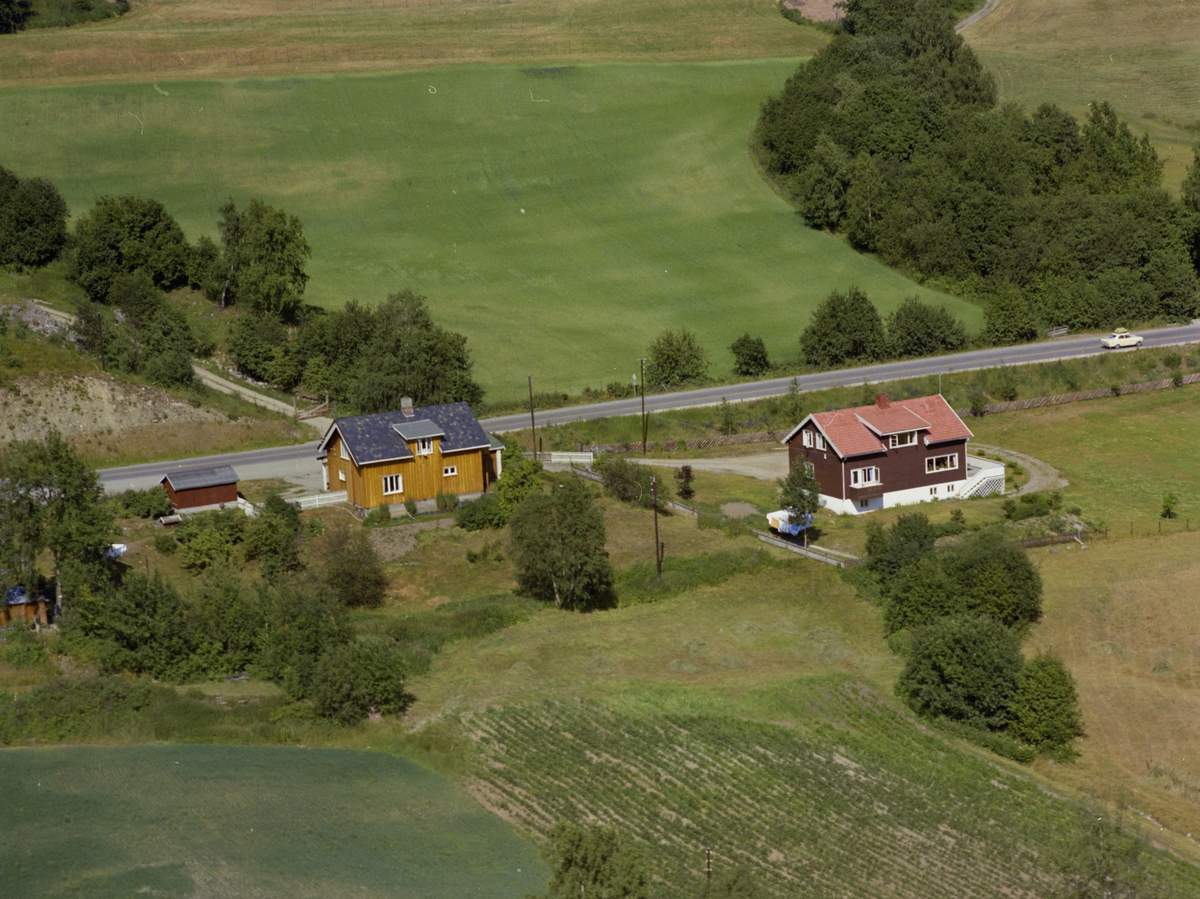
x=1120, y=455
x=560, y=217
x=232, y=821
x=1143, y=56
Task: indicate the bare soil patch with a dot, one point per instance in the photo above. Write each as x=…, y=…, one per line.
x=394, y=542
x=816, y=10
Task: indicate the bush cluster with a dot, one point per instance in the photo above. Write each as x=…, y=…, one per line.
x=957, y=613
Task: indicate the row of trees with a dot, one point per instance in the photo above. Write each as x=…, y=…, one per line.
x=892, y=136
x=846, y=327
x=957, y=613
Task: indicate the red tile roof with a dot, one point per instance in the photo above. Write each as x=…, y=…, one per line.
x=857, y=431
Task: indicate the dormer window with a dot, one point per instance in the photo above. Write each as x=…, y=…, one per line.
x=424, y=446
x=908, y=438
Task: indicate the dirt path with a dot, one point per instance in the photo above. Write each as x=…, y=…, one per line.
x=764, y=466
x=988, y=8
x=216, y=382
x=1042, y=475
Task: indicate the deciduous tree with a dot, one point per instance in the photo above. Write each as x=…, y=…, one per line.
x=122, y=235
x=1045, y=706
x=596, y=862
x=263, y=262
x=846, y=327
x=749, y=356
x=674, y=359
x=409, y=355
x=557, y=544
x=33, y=220
x=963, y=668
x=920, y=329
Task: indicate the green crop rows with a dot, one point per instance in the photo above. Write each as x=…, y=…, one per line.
x=857, y=802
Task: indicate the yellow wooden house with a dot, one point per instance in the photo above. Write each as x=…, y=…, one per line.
x=415, y=453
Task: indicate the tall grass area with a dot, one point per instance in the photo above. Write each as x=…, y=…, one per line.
x=1143, y=57
x=559, y=216
x=261, y=821
x=194, y=39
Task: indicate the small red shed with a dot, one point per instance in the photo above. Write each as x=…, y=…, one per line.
x=195, y=488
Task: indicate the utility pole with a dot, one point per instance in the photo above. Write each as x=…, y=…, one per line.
x=657, y=546
x=643, y=363
x=532, y=424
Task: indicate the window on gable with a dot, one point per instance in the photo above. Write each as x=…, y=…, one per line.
x=342, y=447
x=392, y=484
x=424, y=446
x=449, y=471
x=820, y=438
x=941, y=463
x=808, y=438
x=908, y=438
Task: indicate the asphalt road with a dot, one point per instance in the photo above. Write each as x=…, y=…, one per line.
x=1066, y=348
x=299, y=463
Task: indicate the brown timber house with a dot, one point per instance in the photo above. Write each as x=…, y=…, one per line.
x=888, y=454
x=416, y=453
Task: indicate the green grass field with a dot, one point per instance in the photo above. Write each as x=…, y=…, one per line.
x=558, y=216
x=224, y=821
x=1143, y=56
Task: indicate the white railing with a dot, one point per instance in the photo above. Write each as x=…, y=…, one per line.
x=988, y=479
x=320, y=499
x=567, y=458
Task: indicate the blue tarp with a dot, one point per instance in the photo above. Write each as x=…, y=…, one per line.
x=795, y=527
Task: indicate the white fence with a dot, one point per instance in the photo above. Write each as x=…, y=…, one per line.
x=317, y=500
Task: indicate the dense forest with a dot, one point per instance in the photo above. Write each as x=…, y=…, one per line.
x=893, y=137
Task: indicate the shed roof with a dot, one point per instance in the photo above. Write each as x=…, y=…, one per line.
x=193, y=478
x=859, y=431
x=384, y=436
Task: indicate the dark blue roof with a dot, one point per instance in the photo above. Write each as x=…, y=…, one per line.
x=372, y=438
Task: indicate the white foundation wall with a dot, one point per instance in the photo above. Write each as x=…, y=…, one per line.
x=912, y=496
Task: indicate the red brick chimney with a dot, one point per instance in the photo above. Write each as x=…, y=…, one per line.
x=881, y=400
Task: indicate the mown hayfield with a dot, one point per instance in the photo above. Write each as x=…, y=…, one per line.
x=1143, y=56
x=1121, y=455
x=225, y=821
x=558, y=216
x=1122, y=616
x=178, y=39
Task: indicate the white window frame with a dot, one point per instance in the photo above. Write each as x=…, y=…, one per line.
x=933, y=491
x=908, y=438
x=865, y=477
x=808, y=438
x=342, y=475
x=449, y=471
x=810, y=469
x=345, y=453
x=424, y=446
x=393, y=484
x=949, y=462
x=820, y=438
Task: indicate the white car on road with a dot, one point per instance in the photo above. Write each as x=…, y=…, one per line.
x=1120, y=338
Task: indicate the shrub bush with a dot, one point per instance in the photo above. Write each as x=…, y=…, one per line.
x=1045, y=707
x=963, y=668
x=481, y=513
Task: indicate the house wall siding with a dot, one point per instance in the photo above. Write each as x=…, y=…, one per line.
x=201, y=496
x=422, y=475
